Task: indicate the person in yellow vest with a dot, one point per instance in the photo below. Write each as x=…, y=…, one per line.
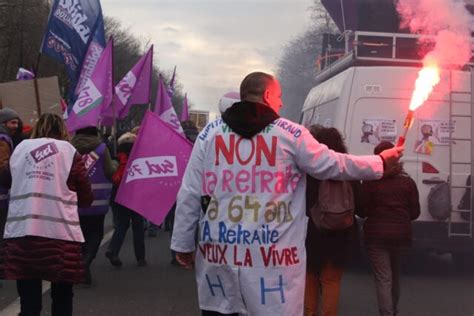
x=43, y=236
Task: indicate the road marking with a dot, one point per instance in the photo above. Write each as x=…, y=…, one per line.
x=13, y=308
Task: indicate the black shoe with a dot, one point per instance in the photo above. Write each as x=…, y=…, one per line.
x=141, y=263
x=174, y=262
x=114, y=260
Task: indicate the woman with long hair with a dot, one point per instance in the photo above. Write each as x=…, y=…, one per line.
x=327, y=250
x=43, y=236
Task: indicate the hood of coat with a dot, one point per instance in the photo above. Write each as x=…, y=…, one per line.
x=85, y=143
x=249, y=118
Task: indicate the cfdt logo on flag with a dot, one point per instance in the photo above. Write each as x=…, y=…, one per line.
x=152, y=167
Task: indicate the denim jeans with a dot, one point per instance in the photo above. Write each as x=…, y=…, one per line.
x=30, y=292
x=124, y=217
x=385, y=262
x=323, y=289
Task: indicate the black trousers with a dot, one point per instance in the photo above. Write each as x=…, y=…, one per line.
x=30, y=298
x=124, y=216
x=92, y=227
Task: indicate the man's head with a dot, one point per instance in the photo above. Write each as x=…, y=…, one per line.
x=263, y=88
x=10, y=119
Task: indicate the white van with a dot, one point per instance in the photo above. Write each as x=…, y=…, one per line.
x=368, y=104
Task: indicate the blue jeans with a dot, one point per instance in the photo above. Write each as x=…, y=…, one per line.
x=124, y=217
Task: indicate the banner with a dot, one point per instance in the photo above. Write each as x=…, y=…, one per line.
x=71, y=27
x=94, y=51
x=154, y=170
x=95, y=94
x=164, y=107
x=134, y=88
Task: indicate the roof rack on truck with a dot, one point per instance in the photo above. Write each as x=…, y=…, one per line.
x=374, y=49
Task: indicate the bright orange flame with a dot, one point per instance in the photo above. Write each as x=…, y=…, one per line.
x=428, y=78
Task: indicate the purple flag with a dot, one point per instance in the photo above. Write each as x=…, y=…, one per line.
x=154, y=172
x=164, y=107
x=24, y=74
x=134, y=88
x=185, y=110
x=171, y=85
x=95, y=94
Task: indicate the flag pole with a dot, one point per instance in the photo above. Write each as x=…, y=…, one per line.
x=114, y=124
x=151, y=81
x=35, y=84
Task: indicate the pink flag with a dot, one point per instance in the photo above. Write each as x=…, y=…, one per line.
x=184, y=111
x=134, y=88
x=171, y=85
x=154, y=170
x=164, y=107
x=95, y=94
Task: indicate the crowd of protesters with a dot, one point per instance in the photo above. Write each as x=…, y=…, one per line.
x=57, y=190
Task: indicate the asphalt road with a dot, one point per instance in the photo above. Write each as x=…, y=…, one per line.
x=430, y=286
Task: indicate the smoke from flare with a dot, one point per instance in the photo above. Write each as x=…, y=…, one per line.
x=450, y=23
x=428, y=78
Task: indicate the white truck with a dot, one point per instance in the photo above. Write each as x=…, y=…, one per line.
x=366, y=97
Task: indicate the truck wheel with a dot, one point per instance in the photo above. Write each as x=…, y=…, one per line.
x=464, y=261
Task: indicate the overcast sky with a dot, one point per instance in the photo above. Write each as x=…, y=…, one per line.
x=214, y=43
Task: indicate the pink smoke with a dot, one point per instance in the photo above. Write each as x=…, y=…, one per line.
x=448, y=21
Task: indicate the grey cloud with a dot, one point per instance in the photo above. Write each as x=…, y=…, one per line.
x=172, y=45
x=170, y=29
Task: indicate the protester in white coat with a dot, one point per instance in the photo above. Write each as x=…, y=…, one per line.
x=244, y=188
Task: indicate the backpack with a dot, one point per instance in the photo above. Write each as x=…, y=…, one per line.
x=439, y=201
x=335, y=207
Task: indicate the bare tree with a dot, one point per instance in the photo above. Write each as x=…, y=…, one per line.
x=22, y=25
x=21, y=32
x=297, y=66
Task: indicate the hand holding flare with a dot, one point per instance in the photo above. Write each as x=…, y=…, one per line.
x=406, y=126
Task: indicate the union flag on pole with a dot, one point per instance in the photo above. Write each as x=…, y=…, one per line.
x=164, y=107
x=185, y=109
x=134, y=88
x=154, y=170
x=95, y=94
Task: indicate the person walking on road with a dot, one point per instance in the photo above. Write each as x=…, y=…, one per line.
x=328, y=250
x=100, y=169
x=389, y=204
x=9, y=125
x=42, y=235
x=251, y=167
x=125, y=216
